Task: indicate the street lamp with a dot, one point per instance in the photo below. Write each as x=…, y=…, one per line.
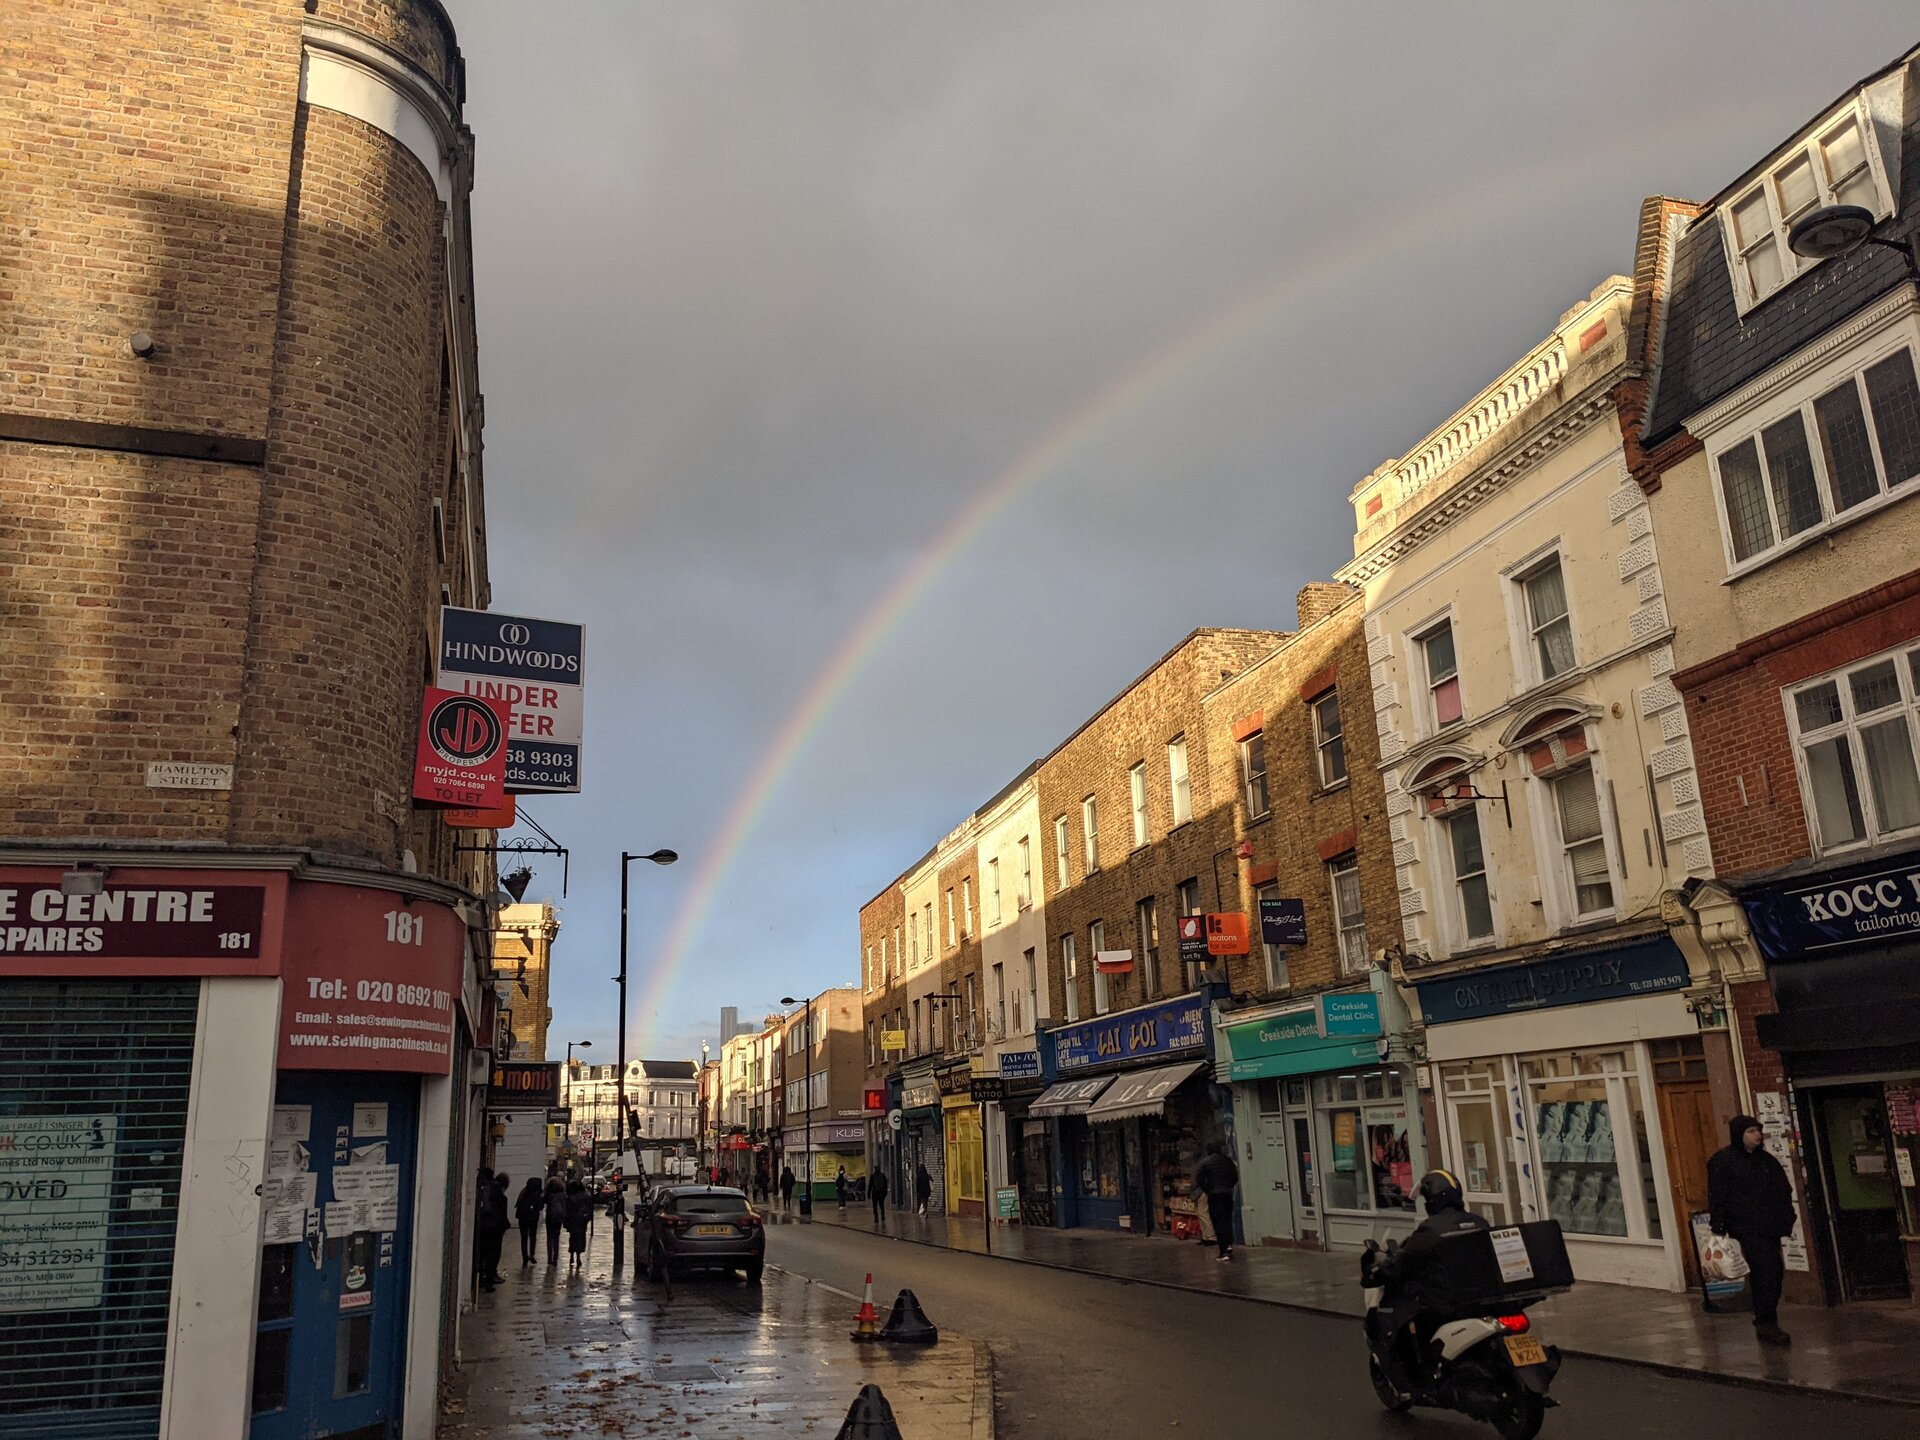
x=806, y=1186
x=1835, y=230
x=658, y=857
x=571, y=1045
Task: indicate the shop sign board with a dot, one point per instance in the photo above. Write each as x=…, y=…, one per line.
x=460, y=758
x=1006, y=1202
x=1227, y=934
x=143, y=922
x=533, y=668
x=920, y=1096
x=371, y=979
x=827, y=1165
x=989, y=1089
x=957, y=1081
x=1019, y=1064
x=1283, y=922
x=56, y=1192
x=1651, y=968
x=1193, y=940
x=1335, y=1030
x=524, y=1085
x=1173, y=1028
x=893, y=1041
x=1349, y=1014
x=1864, y=905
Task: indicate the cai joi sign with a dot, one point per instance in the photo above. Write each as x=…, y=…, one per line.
x=1175, y=1028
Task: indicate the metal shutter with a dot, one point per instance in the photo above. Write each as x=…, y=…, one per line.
x=79, y=1050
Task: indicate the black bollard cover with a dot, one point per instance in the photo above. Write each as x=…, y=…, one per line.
x=871, y=1418
x=908, y=1324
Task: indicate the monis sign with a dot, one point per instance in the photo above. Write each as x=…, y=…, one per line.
x=461, y=758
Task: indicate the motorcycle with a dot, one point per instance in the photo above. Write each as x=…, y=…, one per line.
x=1486, y=1363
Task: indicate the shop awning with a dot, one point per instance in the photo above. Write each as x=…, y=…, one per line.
x=1143, y=1093
x=1069, y=1097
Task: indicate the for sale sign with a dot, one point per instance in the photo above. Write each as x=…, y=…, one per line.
x=534, y=668
x=461, y=758
x=56, y=1189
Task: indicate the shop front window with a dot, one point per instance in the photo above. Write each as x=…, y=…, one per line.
x=1595, y=1156
x=1365, y=1142
x=1100, y=1163
x=1480, y=1147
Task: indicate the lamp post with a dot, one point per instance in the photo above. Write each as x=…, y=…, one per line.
x=806, y=1185
x=658, y=857
x=572, y=1128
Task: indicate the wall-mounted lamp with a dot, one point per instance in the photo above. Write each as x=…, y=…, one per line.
x=83, y=879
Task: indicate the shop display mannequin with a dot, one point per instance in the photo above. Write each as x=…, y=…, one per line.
x=1560, y=1199
x=1553, y=1131
x=1586, y=1209
x=1613, y=1210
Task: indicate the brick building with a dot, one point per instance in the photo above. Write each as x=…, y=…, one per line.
x=240, y=470
x=1310, y=838
x=523, y=958
x=823, y=1076
x=1779, y=440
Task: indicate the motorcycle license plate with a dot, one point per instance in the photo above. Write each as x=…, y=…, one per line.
x=1525, y=1350
x=725, y=1230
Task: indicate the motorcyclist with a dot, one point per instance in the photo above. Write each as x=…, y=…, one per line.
x=1418, y=1293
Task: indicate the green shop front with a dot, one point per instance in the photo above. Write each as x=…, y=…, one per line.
x=1327, y=1117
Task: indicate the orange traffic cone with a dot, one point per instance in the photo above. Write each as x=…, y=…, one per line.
x=867, y=1322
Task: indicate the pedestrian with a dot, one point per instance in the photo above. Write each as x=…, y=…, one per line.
x=490, y=1226
x=579, y=1216
x=760, y=1185
x=556, y=1216
x=840, y=1187
x=1750, y=1199
x=1216, y=1179
x=526, y=1212
x=787, y=1182
x=617, y=1217
x=877, y=1192
x=922, y=1186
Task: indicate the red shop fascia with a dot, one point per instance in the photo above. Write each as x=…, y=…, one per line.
x=373, y=977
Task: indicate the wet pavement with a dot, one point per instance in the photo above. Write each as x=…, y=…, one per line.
x=1864, y=1351
x=606, y=1356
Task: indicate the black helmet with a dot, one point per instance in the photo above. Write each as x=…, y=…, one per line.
x=1441, y=1192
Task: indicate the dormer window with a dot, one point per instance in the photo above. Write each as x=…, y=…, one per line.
x=1834, y=165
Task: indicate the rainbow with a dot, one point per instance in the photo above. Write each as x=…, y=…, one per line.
x=1072, y=432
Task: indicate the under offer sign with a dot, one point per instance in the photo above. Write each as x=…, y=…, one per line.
x=462, y=755
x=533, y=668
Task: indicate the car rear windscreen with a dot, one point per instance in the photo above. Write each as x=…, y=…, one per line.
x=710, y=1205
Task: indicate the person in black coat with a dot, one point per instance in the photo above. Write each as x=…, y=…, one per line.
x=556, y=1216
x=579, y=1213
x=526, y=1214
x=490, y=1225
x=787, y=1182
x=877, y=1192
x=1750, y=1198
x=1216, y=1178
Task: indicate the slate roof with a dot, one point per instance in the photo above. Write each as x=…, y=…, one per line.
x=1708, y=349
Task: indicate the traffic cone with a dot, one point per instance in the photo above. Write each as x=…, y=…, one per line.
x=871, y=1418
x=908, y=1324
x=867, y=1322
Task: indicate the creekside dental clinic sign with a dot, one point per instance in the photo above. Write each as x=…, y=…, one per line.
x=534, y=669
x=1866, y=905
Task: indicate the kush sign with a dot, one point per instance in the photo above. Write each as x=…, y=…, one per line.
x=461, y=757
x=532, y=668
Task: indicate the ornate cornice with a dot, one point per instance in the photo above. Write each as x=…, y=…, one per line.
x=1575, y=417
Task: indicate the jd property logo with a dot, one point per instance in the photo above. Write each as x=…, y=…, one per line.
x=464, y=731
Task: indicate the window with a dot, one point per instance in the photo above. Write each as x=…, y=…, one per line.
x=1025, y=893
x=999, y=1002
x=1253, y=773
x=1186, y=896
x=913, y=946
x=1276, y=955
x=896, y=949
x=1470, y=876
x=1138, y=777
x=1327, y=739
x=966, y=905
x=973, y=1011
x=993, y=891
x=1831, y=168
x=1096, y=942
x=1070, y=969
x=916, y=1027
x=1147, y=918
x=927, y=951
x=1576, y=800
x=873, y=1054
x=1090, y=827
x=1780, y=484
x=1443, y=674
x=1033, y=994
x=873, y=976
x=1855, y=735
x=1545, y=592
x=1370, y=1150
x=1348, y=917
x=953, y=928
x=1180, y=782
x=1060, y=850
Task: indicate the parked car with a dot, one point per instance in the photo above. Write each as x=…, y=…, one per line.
x=701, y=1227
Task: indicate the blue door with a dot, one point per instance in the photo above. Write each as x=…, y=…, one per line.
x=330, y=1357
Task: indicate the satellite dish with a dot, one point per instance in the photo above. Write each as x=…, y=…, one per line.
x=500, y=899
x=1829, y=231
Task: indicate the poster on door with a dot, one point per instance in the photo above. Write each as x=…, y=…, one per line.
x=56, y=1188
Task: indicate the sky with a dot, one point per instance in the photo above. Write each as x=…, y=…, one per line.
x=885, y=385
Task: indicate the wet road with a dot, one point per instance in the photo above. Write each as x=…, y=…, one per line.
x=1080, y=1357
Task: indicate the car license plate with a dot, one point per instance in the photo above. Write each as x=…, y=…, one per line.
x=728, y=1230
x=1525, y=1350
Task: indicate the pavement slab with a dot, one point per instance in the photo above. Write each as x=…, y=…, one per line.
x=606, y=1355
x=1864, y=1351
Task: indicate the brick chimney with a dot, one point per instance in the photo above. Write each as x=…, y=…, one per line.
x=1321, y=599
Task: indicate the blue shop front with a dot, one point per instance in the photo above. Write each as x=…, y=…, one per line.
x=1133, y=1107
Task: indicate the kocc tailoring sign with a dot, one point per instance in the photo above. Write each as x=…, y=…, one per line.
x=1864, y=905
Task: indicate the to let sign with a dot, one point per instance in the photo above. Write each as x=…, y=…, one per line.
x=532, y=668
x=461, y=757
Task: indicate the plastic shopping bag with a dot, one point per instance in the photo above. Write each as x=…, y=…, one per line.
x=1722, y=1260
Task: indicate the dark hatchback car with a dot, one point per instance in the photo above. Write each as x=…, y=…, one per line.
x=701, y=1227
